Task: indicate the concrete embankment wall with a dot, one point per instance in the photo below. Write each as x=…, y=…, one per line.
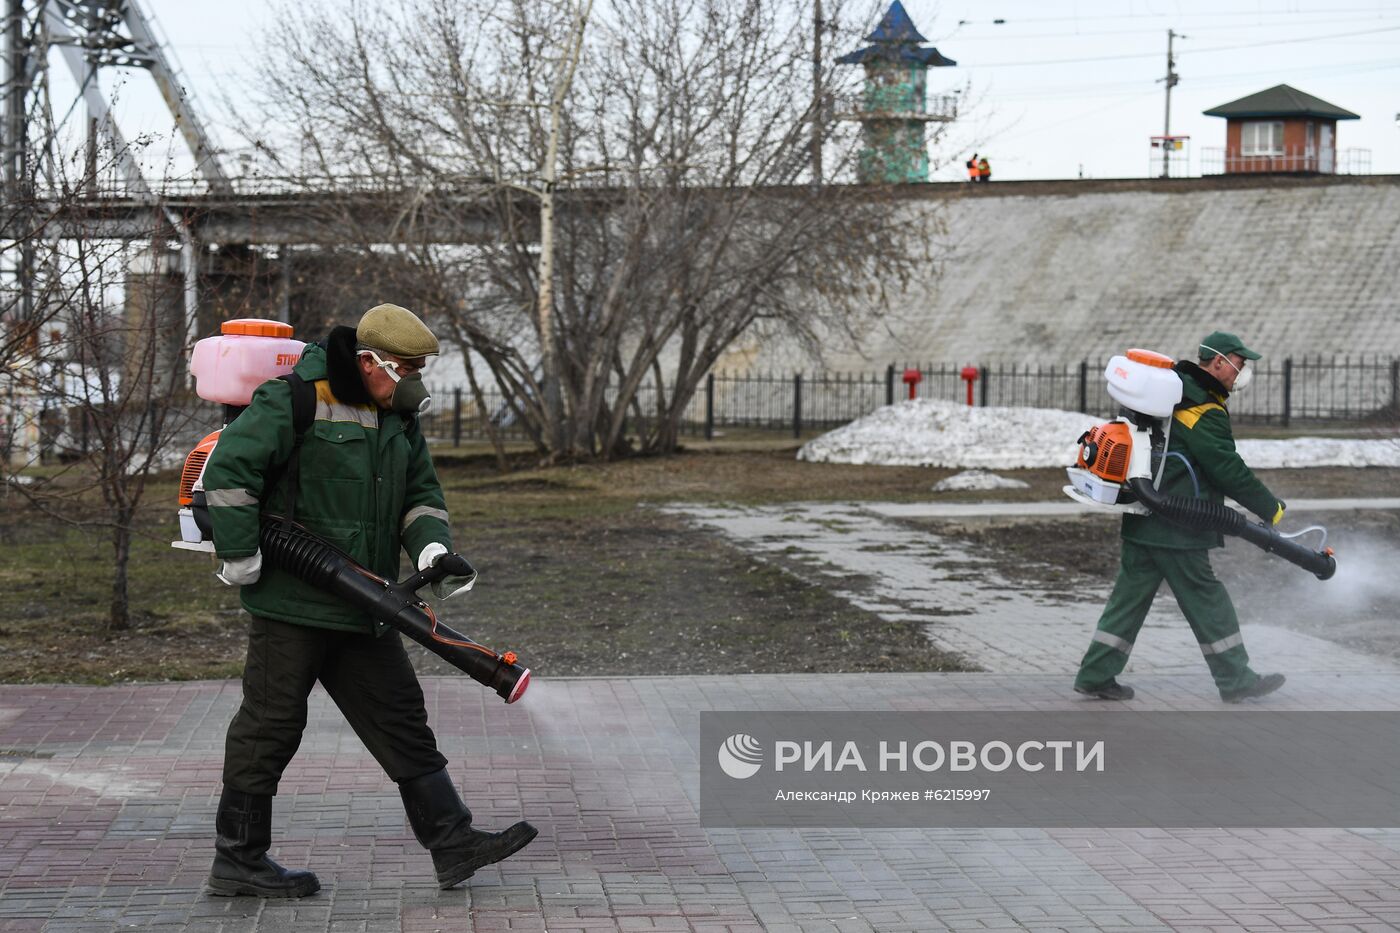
x=1056, y=272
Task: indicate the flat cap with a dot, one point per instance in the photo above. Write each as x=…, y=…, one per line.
x=395, y=330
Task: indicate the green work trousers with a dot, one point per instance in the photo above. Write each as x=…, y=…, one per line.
x=371, y=680
x=1203, y=600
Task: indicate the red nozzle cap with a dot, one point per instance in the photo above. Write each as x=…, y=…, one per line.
x=518, y=690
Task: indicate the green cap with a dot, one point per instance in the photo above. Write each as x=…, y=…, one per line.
x=395, y=330
x=1224, y=344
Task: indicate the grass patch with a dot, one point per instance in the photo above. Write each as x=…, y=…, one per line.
x=578, y=575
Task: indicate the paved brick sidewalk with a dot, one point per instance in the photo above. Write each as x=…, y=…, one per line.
x=861, y=553
x=107, y=799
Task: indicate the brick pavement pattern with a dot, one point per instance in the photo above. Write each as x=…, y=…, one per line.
x=107, y=799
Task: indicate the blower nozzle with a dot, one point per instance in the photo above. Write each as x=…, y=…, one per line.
x=322, y=565
x=1209, y=516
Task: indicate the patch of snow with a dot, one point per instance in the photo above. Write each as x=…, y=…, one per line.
x=1320, y=451
x=977, y=480
x=99, y=780
x=938, y=433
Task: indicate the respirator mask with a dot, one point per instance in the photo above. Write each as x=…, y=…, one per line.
x=410, y=393
x=1243, y=375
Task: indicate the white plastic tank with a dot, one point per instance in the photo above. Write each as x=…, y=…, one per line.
x=1145, y=382
x=246, y=353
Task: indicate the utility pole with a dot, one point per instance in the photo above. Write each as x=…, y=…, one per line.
x=93, y=24
x=1172, y=79
x=818, y=104
x=16, y=74
x=15, y=134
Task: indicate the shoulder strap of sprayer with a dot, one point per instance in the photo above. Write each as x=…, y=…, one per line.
x=303, y=414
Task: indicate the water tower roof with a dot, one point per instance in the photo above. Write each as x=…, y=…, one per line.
x=896, y=26
x=896, y=38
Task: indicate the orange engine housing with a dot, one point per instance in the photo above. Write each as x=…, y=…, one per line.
x=1105, y=451
x=194, y=466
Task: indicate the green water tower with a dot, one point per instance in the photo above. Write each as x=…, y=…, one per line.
x=894, y=108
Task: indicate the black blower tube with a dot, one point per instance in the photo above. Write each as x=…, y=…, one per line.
x=1201, y=515
x=314, y=561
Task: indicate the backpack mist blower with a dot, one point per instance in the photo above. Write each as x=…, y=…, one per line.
x=1114, y=468
x=227, y=369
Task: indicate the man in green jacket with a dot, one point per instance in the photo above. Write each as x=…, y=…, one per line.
x=365, y=483
x=1155, y=549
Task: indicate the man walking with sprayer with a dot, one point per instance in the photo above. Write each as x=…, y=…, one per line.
x=1201, y=463
x=359, y=476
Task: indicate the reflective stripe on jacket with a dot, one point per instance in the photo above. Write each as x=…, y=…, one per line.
x=366, y=485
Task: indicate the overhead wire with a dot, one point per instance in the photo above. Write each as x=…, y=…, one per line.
x=1154, y=30
x=1097, y=88
x=1105, y=16
x=1158, y=54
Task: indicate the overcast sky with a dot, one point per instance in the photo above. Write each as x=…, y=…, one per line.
x=1060, y=88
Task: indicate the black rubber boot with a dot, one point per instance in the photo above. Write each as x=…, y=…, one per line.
x=1261, y=687
x=1112, y=690
x=241, y=865
x=443, y=825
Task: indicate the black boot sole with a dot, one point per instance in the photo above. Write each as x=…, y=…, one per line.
x=456, y=874
x=227, y=887
x=1118, y=694
x=1265, y=686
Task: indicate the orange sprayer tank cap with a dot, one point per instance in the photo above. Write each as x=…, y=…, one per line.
x=1151, y=358
x=255, y=327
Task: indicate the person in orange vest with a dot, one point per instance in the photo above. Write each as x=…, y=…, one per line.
x=973, y=174
x=984, y=170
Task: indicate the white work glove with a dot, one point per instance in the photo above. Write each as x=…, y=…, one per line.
x=450, y=585
x=241, y=571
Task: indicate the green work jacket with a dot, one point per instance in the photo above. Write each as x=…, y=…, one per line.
x=1200, y=432
x=367, y=485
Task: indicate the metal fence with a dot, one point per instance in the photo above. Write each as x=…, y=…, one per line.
x=1343, y=389
x=1314, y=160
x=1354, y=390
x=1294, y=389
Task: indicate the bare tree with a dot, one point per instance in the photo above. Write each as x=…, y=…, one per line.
x=92, y=340
x=613, y=192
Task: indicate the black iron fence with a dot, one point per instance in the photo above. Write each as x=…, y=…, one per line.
x=1343, y=389
x=1347, y=389
x=1357, y=390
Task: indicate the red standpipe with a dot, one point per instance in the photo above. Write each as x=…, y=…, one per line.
x=912, y=378
x=969, y=374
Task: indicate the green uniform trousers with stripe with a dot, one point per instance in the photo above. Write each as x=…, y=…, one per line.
x=1203, y=600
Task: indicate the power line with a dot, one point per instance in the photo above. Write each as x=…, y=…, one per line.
x=1213, y=48
x=1099, y=17
x=1251, y=45
x=1098, y=89
x=1119, y=101
x=1154, y=30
